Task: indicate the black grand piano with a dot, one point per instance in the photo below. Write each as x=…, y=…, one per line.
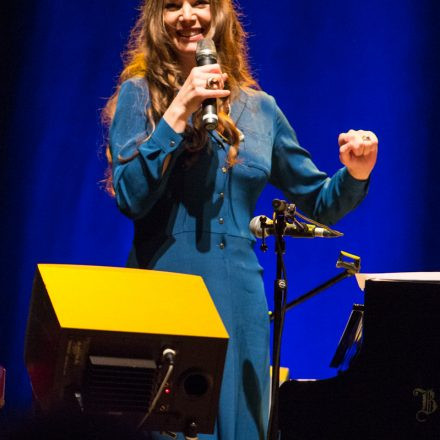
x=391, y=388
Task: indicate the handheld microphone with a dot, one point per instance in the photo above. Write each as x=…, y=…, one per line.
x=207, y=54
x=304, y=231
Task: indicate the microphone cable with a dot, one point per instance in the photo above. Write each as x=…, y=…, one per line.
x=168, y=356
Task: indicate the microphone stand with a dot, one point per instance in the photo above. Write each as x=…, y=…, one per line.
x=283, y=215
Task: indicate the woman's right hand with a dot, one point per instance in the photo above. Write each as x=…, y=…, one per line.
x=193, y=92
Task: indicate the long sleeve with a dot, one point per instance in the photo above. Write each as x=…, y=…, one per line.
x=138, y=156
x=323, y=198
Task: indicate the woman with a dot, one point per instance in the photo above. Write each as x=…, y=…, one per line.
x=192, y=193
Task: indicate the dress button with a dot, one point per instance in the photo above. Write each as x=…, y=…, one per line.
x=222, y=195
x=221, y=245
x=221, y=220
x=224, y=170
x=172, y=143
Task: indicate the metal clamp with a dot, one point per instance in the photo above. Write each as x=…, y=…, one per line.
x=353, y=267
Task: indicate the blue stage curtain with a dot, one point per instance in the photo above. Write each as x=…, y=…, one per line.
x=331, y=66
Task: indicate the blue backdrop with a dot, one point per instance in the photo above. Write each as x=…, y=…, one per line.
x=332, y=66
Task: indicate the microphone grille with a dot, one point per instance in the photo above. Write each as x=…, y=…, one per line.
x=206, y=47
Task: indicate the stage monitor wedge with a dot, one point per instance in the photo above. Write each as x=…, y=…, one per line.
x=96, y=336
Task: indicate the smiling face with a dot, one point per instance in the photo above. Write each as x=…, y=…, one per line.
x=187, y=22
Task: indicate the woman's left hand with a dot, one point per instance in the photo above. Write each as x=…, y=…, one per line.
x=358, y=152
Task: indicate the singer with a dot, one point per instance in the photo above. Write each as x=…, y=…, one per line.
x=191, y=190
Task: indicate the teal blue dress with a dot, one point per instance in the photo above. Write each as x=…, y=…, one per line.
x=195, y=219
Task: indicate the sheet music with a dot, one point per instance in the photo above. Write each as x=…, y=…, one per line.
x=398, y=276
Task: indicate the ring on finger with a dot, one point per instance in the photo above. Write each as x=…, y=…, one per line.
x=366, y=138
x=212, y=83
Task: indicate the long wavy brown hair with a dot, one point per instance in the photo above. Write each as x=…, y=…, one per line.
x=151, y=55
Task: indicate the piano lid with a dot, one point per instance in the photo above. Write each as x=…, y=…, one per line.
x=398, y=276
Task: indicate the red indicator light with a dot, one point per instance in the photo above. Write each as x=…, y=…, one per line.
x=167, y=390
